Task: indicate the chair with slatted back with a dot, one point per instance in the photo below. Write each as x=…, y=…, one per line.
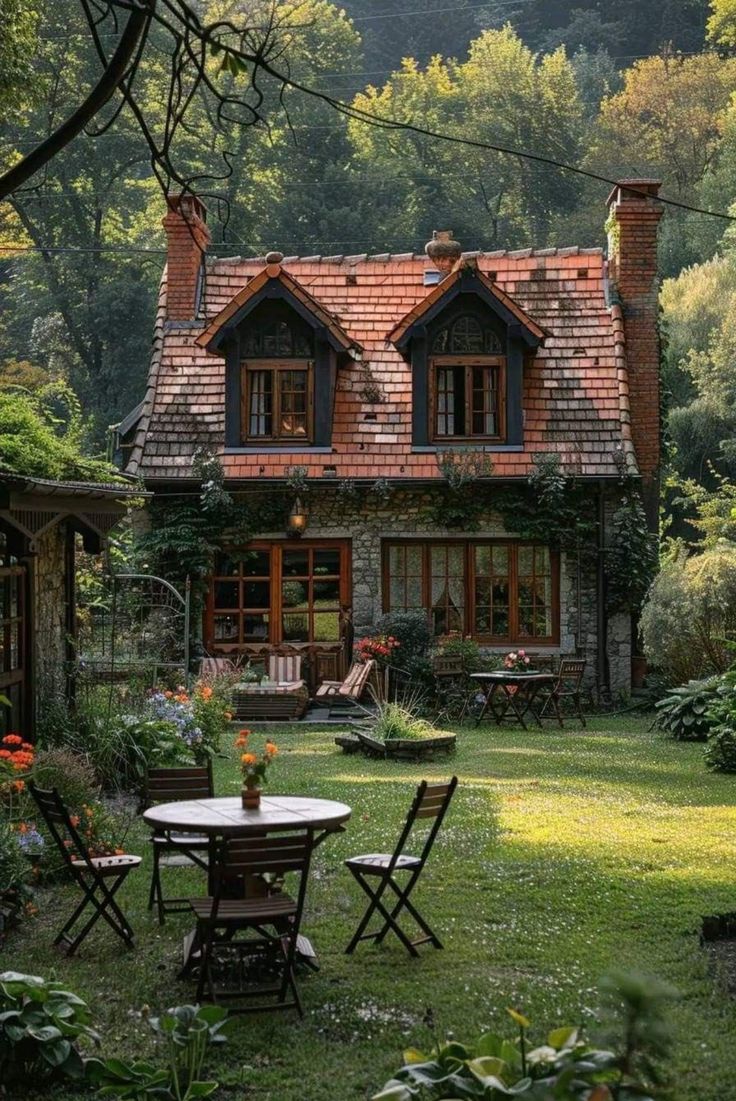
x=566, y=687
x=271, y=922
x=285, y=668
x=348, y=692
x=375, y=873
x=98, y=877
x=170, y=785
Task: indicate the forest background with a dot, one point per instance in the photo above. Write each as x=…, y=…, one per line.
x=632, y=89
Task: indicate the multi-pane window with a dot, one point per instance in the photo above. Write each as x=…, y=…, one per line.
x=467, y=381
x=13, y=672
x=467, y=398
x=499, y=591
x=276, y=592
x=277, y=400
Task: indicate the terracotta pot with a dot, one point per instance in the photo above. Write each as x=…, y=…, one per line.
x=251, y=797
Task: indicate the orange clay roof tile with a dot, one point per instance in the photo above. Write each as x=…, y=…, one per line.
x=575, y=388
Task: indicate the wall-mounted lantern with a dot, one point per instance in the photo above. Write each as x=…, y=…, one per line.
x=297, y=523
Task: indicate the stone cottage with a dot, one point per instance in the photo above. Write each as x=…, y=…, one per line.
x=372, y=377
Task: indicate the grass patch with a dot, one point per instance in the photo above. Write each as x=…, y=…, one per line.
x=564, y=854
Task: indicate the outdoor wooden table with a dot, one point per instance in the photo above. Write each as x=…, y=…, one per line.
x=518, y=702
x=225, y=818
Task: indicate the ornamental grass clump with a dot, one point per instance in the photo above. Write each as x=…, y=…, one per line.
x=400, y=722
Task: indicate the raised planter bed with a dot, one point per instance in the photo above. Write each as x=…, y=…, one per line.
x=413, y=749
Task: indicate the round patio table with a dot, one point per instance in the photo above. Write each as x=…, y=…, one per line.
x=226, y=818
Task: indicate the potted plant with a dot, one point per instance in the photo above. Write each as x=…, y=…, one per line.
x=253, y=767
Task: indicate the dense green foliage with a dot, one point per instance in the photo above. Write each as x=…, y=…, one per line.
x=683, y=712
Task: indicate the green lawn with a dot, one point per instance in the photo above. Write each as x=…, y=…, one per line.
x=564, y=854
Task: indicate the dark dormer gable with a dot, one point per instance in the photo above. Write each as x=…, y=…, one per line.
x=467, y=341
x=467, y=279
x=282, y=349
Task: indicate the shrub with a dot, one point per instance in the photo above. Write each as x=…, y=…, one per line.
x=40, y=1026
x=70, y=772
x=684, y=712
x=14, y=875
x=690, y=613
x=411, y=631
x=466, y=650
x=720, y=752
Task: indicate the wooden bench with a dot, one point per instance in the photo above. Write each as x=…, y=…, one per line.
x=346, y=693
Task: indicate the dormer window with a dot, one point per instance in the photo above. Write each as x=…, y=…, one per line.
x=277, y=377
x=467, y=382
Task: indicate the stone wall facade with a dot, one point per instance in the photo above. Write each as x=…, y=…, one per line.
x=403, y=515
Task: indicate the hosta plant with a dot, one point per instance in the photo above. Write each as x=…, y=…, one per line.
x=565, y=1067
x=40, y=1026
x=185, y=1033
x=684, y=711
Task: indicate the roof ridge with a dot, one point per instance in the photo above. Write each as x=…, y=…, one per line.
x=352, y=260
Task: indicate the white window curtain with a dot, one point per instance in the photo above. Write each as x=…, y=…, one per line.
x=257, y=416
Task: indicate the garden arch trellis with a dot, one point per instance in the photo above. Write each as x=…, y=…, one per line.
x=136, y=625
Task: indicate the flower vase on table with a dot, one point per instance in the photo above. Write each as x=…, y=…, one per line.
x=253, y=767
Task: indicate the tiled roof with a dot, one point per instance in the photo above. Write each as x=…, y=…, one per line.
x=575, y=394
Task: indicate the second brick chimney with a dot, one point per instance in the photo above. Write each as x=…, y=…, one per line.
x=634, y=214
x=187, y=238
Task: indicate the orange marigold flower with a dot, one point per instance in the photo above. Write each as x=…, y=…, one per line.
x=169, y=694
x=19, y=785
x=271, y=749
x=206, y=692
x=249, y=758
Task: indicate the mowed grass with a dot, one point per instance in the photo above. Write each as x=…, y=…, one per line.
x=565, y=854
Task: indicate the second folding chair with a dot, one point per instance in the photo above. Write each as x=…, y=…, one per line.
x=170, y=785
x=98, y=877
x=375, y=873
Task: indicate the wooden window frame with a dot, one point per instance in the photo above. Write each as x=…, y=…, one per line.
x=278, y=366
x=436, y=363
x=275, y=549
x=514, y=637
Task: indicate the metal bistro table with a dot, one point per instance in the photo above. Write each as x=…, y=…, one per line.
x=225, y=818
x=517, y=690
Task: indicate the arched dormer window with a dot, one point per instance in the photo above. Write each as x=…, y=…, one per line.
x=467, y=370
x=466, y=336
x=277, y=368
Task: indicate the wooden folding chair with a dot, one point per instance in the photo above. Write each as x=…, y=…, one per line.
x=567, y=686
x=169, y=785
x=98, y=877
x=346, y=692
x=273, y=918
x=375, y=872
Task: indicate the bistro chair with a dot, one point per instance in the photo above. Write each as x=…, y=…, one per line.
x=375, y=872
x=98, y=877
x=270, y=921
x=347, y=692
x=566, y=687
x=172, y=847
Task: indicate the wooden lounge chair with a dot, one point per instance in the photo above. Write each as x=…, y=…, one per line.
x=285, y=668
x=346, y=693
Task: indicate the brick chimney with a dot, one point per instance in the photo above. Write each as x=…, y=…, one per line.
x=634, y=214
x=187, y=238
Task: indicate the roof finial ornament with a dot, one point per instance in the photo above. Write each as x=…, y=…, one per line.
x=274, y=257
x=443, y=250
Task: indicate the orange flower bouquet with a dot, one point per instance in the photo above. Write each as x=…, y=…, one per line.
x=254, y=768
